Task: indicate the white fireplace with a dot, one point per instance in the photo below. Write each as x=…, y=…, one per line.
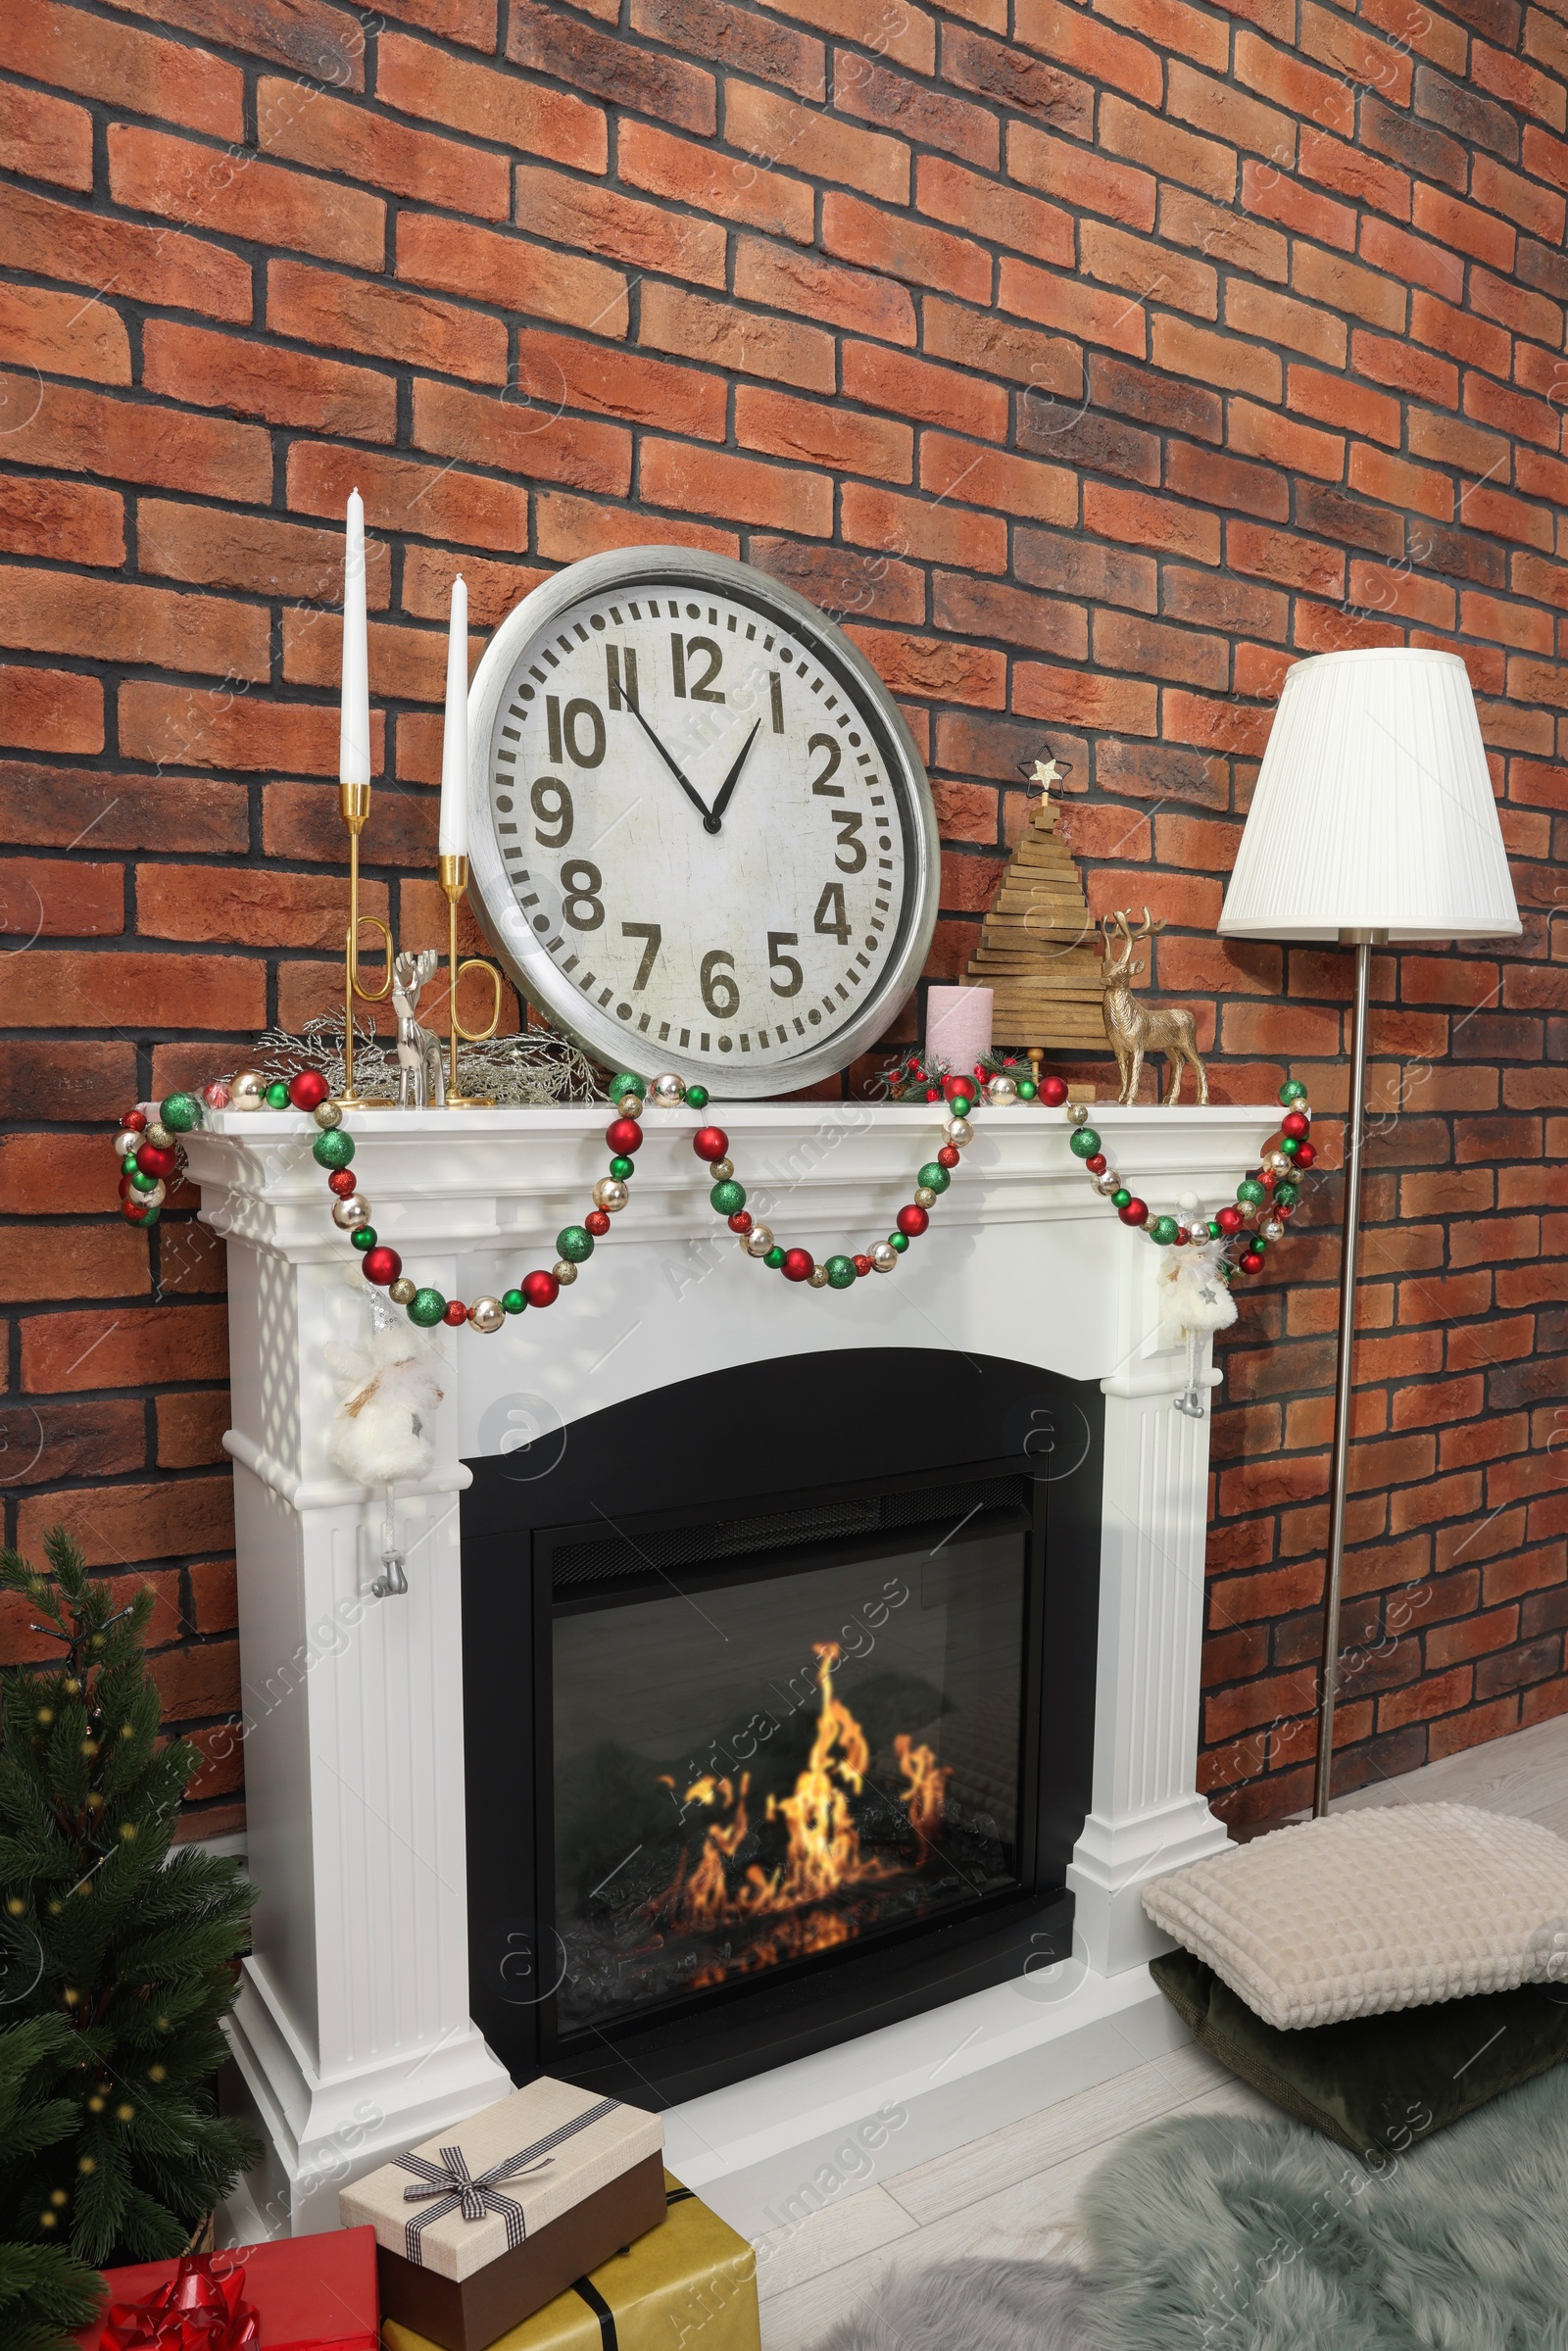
x=353, y=2027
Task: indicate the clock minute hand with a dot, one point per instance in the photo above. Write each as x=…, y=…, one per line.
x=730, y=781
x=698, y=802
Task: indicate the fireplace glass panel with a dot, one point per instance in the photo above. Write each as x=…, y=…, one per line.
x=774, y=1763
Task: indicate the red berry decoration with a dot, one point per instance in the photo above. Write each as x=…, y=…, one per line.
x=863, y=1266
x=1054, y=1092
x=540, y=1289
x=1292, y=1123
x=381, y=1266
x=948, y=1156
x=709, y=1143
x=1096, y=1166
x=597, y=1223
x=1306, y=1154
x=1252, y=1263
x=344, y=1182
x=155, y=1162
x=1230, y=1220
x=624, y=1136
x=741, y=1221
x=456, y=1315
x=798, y=1265
x=1134, y=1212
x=307, y=1089
x=931, y=1096
x=912, y=1221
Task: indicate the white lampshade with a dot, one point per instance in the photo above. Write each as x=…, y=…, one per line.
x=1373, y=809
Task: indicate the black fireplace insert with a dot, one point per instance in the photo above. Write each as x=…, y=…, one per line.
x=759, y=1760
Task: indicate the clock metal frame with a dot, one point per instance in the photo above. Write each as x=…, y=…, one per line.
x=535, y=972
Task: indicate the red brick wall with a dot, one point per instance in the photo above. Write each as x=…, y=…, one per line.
x=1093, y=360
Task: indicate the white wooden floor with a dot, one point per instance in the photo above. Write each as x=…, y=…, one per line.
x=1011, y=2195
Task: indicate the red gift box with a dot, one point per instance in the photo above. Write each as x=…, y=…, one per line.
x=308, y=2293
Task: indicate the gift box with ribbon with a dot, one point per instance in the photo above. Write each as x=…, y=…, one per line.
x=481, y=2226
x=301, y=2293
x=689, y=2287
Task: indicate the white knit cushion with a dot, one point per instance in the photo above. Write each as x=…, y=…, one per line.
x=1369, y=1911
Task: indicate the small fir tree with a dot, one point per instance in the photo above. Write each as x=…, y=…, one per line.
x=45, y=2293
x=105, y=1932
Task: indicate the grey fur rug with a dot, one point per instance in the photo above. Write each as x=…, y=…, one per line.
x=1206, y=2235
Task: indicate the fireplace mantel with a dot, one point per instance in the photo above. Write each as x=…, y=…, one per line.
x=352, y=2027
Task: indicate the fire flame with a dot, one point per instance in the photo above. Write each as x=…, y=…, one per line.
x=823, y=1855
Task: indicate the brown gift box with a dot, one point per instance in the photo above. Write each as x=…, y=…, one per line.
x=479, y=2227
x=695, y=2277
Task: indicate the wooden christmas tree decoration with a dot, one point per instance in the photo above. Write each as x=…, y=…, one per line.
x=1038, y=952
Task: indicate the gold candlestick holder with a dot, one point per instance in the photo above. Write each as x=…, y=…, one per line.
x=453, y=878
x=354, y=807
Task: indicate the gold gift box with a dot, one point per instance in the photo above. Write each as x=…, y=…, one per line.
x=695, y=2276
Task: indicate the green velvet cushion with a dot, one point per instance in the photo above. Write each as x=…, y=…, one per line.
x=1376, y=2082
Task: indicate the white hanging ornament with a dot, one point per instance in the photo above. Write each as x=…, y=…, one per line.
x=388, y=1393
x=1195, y=1300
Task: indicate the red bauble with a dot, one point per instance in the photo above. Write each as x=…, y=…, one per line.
x=307, y=1089
x=1292, y=1123
x=597, y=1223
x=381, y=1265
x=133, y=1213
x=624, y=1136
x=344, y=1182
x=741, y=1221
x=124, y=1181
x=1306, y=1156
x=863, y=1266
x=1252, y=1263
x=912, y=1221
x=1181, y=1236
x=456, y=1315
x=710, y=1142
x=1134, y=1212
x=133, y=1121
x=1054, y=1092
x=965, y=1085
x=798, y=1265
x=948, y=1156
x=1230, y=1220
x=1096, y=1166
x=540, y=1289
x=155, y=1162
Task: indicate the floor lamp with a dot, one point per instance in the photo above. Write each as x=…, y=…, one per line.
x=1372, y=823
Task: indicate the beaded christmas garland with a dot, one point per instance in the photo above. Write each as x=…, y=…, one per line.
x=150, y=1159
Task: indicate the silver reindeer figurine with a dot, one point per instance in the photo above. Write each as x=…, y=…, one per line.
x=1135, y=1028
x=419, y=1049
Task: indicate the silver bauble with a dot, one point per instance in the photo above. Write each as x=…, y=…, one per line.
x=1278, y=1162
x=349, y=1214
x=487, y=1315
x=151, y=1199
x=668, y=1092
x=247, y=1091
x=1272, y=1229
x=565, y=1271
x=757, y=1242
x=1107, y=1182
x=958, y=1132
x=631, y=1105
x=883, y=1255
x=1001, y=1091
x=402, y=1290
x=129, y=1142
x=611, y=1195
x=327, y=1116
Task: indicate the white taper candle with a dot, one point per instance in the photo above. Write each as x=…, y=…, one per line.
x=354, y=740
x=452, y=837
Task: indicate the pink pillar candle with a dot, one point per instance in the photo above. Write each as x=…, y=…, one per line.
x=957, y=1027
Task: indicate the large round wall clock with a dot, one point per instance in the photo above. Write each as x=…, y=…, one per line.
x=699, y=834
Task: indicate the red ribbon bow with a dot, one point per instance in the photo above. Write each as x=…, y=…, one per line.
x=200, y=2309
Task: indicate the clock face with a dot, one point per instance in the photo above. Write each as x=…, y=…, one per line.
x=700, y=835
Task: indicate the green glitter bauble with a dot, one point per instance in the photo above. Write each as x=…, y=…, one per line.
x=1120, y=1197
x=1083, y=1143
x=513, y=1300
x=841, y=1271
x=729, y=1197
x=1292, y=1091
x=334, y=1148
x=1027, y=1090
x=898, y=1240
x=774, y=1257
x=364, y=1236
x=934, y=1176
x=180, y=1112
x=1286, y=1196
x=625, y=1082
x=698, y=1097
x=426, y=1307
x=1251, y=1193
x=277, y=1095
x=620, y=1167
x=1163, y=1230
x=574, y=1243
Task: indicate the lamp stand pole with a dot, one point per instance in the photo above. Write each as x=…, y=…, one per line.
x=1354, y=1130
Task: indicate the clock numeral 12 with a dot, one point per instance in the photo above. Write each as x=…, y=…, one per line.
x=683, y=649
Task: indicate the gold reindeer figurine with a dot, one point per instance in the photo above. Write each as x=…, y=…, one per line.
x=1135, y=1028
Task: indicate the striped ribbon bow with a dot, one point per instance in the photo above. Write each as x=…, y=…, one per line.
x=473, y=2195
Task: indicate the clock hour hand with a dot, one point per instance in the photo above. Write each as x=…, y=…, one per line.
x=698, y=802
x=731, y=782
